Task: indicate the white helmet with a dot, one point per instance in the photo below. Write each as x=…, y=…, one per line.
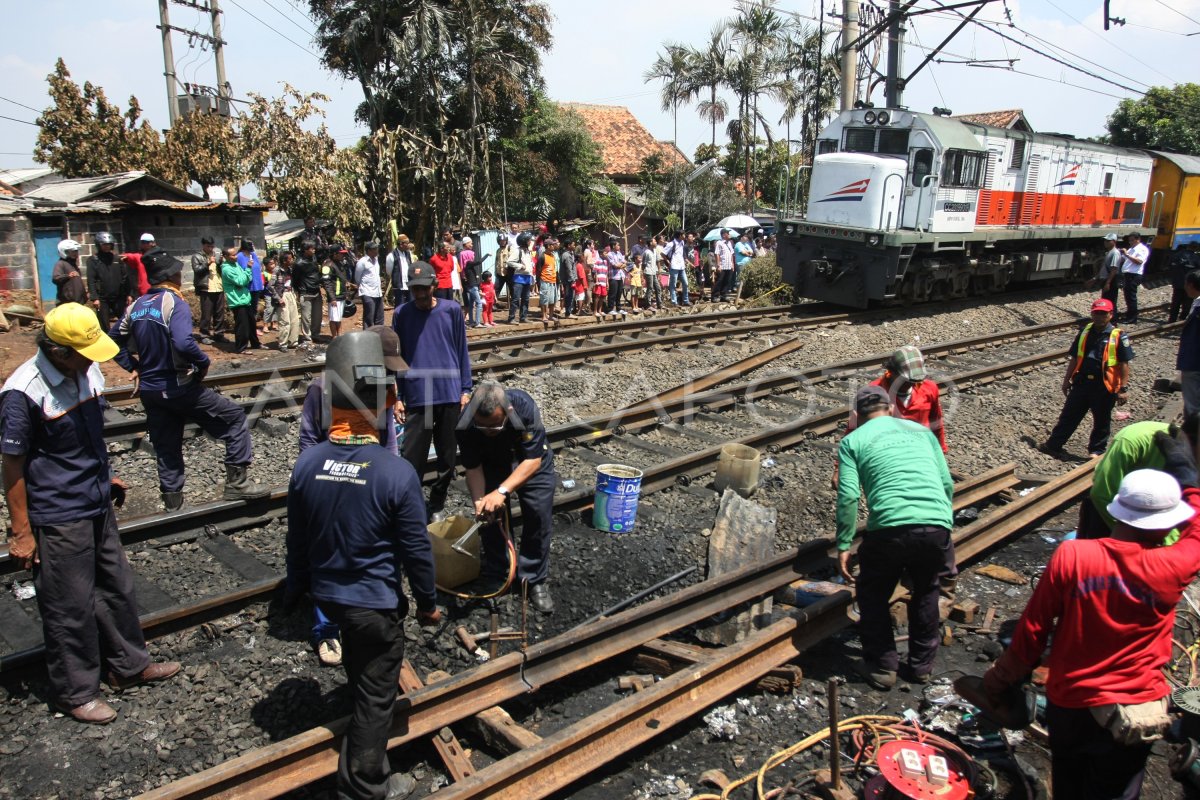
x=66, y=246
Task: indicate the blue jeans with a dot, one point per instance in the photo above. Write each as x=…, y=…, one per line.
x=681, y=276
x=474, y=305
x=520, y=299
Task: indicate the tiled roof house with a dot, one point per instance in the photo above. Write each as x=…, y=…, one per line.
x=624, y=142
x=1011, y=118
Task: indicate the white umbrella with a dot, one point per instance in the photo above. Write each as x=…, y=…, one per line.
x=739, y=221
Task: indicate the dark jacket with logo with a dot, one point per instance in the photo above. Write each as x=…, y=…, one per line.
x=109, y=279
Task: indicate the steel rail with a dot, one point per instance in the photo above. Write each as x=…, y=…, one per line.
x=275, y=769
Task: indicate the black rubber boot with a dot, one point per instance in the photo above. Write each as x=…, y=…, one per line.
x=172, y=501
x=239, y=487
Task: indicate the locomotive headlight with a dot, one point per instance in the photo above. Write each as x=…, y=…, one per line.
x=869, y=118
x=873, y=240
x=883, y=118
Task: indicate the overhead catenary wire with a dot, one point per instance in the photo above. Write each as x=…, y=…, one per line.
x=1177, y=11
x=274, y=30
x=1110, y=43
x=306, y=31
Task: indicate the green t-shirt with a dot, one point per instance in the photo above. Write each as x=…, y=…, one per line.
x=900, y=467
x=1132, y=448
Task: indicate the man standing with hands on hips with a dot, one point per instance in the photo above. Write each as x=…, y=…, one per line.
x=1133, y=267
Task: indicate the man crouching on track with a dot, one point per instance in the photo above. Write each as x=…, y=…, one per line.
x=60, y=500
x=1109, y=606
x=900, y=467
x=355, y=515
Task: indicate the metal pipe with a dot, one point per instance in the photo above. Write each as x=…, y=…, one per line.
x=835, y=755
x=627, y=602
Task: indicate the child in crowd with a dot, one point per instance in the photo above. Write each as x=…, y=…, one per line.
x=488, y=291
x=636, y=282
x=599, y=287
x=580, y=285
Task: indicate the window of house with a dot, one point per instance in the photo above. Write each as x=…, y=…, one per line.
x=893, y=142
x=922, y=165
x=860, y=140
x=1018, y=154
x=962, y=169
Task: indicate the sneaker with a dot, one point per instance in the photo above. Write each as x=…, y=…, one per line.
x=329, y=652
x=283, y=348
x=875, y=675
x=205, y=340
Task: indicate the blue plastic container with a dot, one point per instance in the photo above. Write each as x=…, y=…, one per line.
x=617, y=490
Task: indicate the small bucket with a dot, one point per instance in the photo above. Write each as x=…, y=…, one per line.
x=737, y=469
x=617, y=490
x=452, y=568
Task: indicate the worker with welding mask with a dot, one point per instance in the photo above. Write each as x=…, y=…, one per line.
x=503, y=446
x=356, y=516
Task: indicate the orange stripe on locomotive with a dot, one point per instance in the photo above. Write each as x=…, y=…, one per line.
x=1003, y=208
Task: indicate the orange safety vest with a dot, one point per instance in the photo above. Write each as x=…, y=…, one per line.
x=1108, y=358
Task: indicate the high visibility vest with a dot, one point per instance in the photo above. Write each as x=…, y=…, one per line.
x=1108, y=358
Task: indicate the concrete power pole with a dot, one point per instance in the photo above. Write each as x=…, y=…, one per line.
x=849, y=53
x=223, y=92
x=894, y=86
x=164, y=25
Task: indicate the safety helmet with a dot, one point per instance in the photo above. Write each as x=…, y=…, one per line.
x=502, y=238
x=104, y=237
x=66, y=246
x=523, y=240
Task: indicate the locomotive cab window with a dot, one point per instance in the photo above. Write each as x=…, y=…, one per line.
x=860, y=140
x=962, y=169
x=1108, y=182
x=826, y=146
x=922, y=165
x=893, y=142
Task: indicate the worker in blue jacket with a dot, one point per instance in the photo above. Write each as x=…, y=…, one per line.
x=155, y=337
x=356, y=518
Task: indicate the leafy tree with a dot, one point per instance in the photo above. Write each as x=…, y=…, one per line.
x=203, y=148
x=1164, y=119
x=82, y=133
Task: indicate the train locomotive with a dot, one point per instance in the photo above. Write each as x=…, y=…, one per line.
x=911, y=207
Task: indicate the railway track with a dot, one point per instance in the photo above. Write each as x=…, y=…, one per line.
x=577, y=750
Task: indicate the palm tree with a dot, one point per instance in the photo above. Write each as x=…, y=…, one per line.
x=757, y=30
x=707, y=67
x=671, y=67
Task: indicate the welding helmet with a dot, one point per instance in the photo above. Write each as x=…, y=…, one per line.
x=356, y=376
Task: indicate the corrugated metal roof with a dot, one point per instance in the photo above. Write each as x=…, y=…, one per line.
x=1189, y=164
x=204, y=205
x=15, y=177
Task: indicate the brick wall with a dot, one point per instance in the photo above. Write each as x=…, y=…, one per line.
x=17, y=267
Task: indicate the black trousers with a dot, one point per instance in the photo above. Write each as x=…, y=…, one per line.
x=425, y=425
x=89, y=611
x=723, y=283
x=1087, y=394
x=372, y=652
x=1111, y=294
x=886, y=555
x=1086, y=763
x=1130, y=283
x=616, y=291
x=372, y=311
x=218, y=416
x=1180, y=302
x=110, y=308
x=212, y=313
x=245, y=333
x=536, y=498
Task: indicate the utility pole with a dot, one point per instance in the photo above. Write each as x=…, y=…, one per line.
x=164, y=24
x=849, y=53
x=893, y=91
x=223, y=92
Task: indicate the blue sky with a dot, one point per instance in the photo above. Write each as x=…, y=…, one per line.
x=600, y=54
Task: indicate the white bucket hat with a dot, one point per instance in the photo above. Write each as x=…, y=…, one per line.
x=1150, y=500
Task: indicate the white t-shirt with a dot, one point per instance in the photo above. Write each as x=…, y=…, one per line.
x=366, y=276
x=1139, y=251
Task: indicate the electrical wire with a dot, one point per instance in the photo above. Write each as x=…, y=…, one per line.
x=1109, y=42
x=274, y=30
x=1177, y=11
x=300, y=27
x=22, y=105
x=23, y=121
x=932, y=76
x=1016, y=71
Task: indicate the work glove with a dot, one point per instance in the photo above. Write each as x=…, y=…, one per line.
x=1179, y=457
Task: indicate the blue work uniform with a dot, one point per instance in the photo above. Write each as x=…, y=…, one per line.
x=523, y=437
x=155, y=337
x=84, y=585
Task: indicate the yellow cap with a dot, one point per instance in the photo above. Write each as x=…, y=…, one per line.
x=78, y=327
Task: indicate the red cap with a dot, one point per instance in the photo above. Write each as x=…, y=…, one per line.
x=1102, y=305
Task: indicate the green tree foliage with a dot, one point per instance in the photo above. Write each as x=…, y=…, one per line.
x=1164, y=119
x=441, y=81
x=204, y=149
x=82, y=133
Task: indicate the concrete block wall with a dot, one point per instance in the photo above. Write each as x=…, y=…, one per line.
x=180, y=232
x=17, y=266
